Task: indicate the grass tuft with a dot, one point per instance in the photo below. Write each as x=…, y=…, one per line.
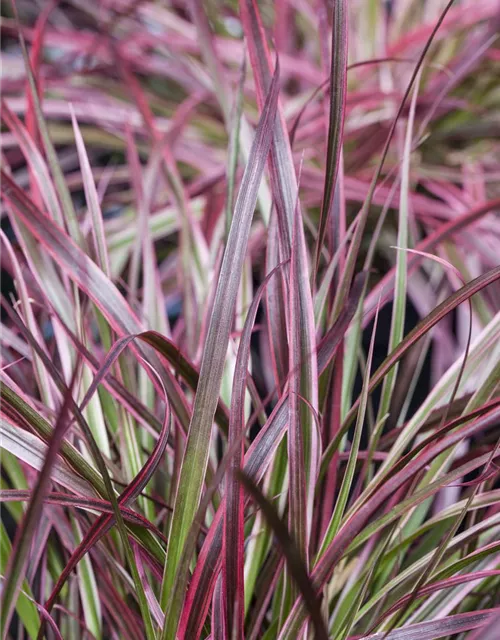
x=250, y=333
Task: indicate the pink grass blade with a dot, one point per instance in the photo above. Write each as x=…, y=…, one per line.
x=285, y=191
x=284, y=181
x=193, y=248
x=490, y=628
x=39, y=169
x=197, y=446
x=30, y=320
x=150, y=595
x=234, y=145
x=219, y=624
x=144, y=188
x=70, y=218
x=81, y=502
x=174, y=356
x=92, y=200
x=300, y=504
x=36, y=55
x=439, y=585
x=32, y=451
x=213, y=61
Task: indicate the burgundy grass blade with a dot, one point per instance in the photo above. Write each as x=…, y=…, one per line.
x=338, y=90
x=104, y=523
x=285, y=191
x=172, y=354
x=283, y=176
x=428, y=589
x=36, y=61
x=298, y=504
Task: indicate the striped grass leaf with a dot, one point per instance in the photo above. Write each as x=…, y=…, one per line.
x=91, y=280
x=196, y=452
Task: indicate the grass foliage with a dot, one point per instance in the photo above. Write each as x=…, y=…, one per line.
x=250, y=380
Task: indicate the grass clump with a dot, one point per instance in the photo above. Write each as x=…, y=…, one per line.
x=250, y=320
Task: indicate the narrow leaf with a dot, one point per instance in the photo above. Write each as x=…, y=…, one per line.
x=338, y=90
x=197, y=446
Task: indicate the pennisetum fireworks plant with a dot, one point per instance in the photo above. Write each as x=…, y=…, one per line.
x=250, y=379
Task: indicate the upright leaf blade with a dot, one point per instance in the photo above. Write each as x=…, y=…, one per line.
x=197, y=446
x=398, y=309
x=338, y=90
